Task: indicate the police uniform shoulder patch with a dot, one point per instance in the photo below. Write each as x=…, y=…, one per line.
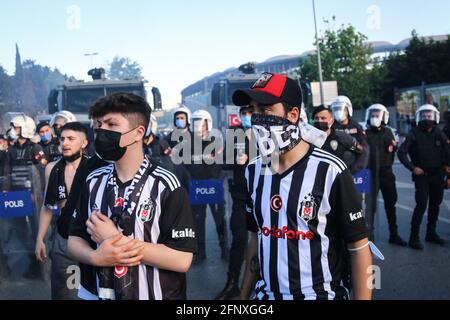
x=334, y=145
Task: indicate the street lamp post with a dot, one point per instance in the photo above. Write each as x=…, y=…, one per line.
x=319, y=60
x=92, y=57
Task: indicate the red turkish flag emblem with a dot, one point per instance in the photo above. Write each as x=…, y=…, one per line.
x=234, y=120
x=120, y=271
x=118, y=203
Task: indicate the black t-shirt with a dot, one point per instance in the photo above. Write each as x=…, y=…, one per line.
x=163, y=216
x=73, y=201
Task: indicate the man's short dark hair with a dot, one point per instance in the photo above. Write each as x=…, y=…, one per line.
x=246, y=109
x=131, y=106
x=75, y=126
x=321, y=108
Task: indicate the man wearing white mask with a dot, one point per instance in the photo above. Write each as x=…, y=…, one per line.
x=382, y=152
x=342, y=112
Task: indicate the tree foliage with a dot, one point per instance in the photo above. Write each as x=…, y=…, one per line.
x=345, y=59
x=122, y=68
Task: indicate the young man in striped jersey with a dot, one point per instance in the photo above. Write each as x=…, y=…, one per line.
x=133, y=232
x=305, y=209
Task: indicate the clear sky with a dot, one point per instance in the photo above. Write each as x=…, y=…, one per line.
x=179, y=42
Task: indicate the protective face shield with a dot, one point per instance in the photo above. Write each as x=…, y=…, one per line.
x=342, y=108
x=376, y=115
x=26, y=125
x=202, y=115
x=12, y=134
x=200, y=126
x=59, y=119
x=340, y=113
x=427, y=116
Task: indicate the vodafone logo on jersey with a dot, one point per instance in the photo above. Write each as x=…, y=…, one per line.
x=285, y=233
x=234, y=120
x=276, y=203
x=120, y=271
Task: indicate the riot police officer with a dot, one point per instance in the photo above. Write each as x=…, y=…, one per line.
x=240, y=157
x=429, y=156
x=342, y=109
x=49, y=143
x=22, y=157
x=59, y=119
x=338, y=143
x=204, y=167
x=382, y=152
x=182, y=123
x=4, y=145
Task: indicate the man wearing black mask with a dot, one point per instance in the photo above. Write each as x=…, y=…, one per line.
x=428, y=149
x=59, y=179
x=133, y=232
x=338, y=143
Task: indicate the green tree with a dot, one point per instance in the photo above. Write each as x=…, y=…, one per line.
x=346, y=58
x=122, y=68
x=424, y=60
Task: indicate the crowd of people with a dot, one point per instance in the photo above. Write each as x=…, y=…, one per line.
x=126, y=209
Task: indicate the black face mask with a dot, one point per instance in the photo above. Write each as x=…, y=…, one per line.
x=275, y=133
x=321, y=125
x=73, y=157
x=427, y=124
x=57, y=131
x=107, y=144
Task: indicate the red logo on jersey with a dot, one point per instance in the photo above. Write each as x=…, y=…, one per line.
x=120, y=271
x=276, y=203
x=284, y=233
x=119, y=203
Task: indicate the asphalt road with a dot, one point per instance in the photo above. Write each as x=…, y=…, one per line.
x=405, y=273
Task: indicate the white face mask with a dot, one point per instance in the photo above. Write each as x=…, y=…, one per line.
x=375, y=122
x=340, y=115
x=2, y=148
x=13, y=134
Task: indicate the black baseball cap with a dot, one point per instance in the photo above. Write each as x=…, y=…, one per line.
x=270, y=88
x=41, y=125
x=320, y=109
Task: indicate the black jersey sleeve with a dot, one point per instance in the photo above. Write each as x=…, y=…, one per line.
x=77, y=226
x=346, y=206
x=177, y=222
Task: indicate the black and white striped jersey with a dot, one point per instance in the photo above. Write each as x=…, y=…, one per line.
x=163, y=216
x=304, y=218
